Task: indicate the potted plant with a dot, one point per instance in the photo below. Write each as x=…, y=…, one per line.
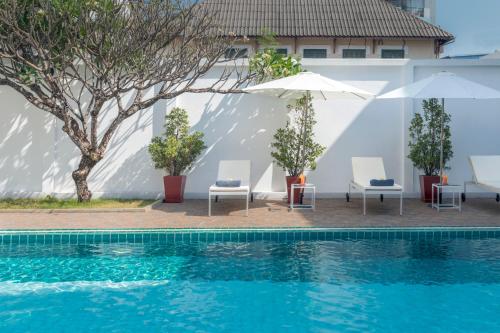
x=294, y=146
x=175, y=152
x=425, y=144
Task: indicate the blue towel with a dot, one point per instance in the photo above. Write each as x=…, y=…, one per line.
x=382, y=182
x=228, y=183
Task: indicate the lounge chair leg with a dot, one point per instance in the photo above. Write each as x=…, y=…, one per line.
x=401, y=204
x=464, y=196
x=251, y=197
x=381, y=198
x=216, y=198
x=498, y=197
x=209, y=204
x=364, y=203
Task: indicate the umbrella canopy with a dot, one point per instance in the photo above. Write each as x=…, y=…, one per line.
x=443, y=85
x=316, y=85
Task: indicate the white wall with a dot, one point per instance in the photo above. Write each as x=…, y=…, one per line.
x=36, y=158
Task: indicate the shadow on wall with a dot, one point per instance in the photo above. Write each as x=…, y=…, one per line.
x=350, y=128
x=38, y=158
x=135, y=178
x=236, y=127
x=353, y=134
x=127, y=169
x=25, y=146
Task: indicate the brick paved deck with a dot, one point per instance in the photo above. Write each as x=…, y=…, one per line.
x=266, y=214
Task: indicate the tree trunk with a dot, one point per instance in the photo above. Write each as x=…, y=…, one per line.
x=80, y=177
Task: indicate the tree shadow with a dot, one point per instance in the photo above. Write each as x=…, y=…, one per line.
x=25, y=154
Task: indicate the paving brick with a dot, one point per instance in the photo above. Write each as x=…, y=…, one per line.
x=267, y=214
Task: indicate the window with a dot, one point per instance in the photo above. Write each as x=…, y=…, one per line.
x=282, y=51
x=393, y=54
x=279, y=50
x=314, y=53
x=235, y=52
x=354, y=53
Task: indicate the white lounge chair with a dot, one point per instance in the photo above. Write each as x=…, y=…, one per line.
x=364, y=169
x=486, y=174
x=232, y=170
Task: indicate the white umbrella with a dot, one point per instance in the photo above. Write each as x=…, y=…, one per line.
x=308, y=84
x=316, y=85
x=443, y=85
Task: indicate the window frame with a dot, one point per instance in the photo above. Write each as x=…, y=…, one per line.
x=286, y=54
x=284, y=47
x=364, y=49
x=315, y=47
x=385, y=49
x=237, y=49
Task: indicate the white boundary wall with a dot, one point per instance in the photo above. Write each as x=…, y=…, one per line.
x=36, y=158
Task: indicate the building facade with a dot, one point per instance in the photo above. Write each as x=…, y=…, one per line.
x=334, y=28
x=425, y=9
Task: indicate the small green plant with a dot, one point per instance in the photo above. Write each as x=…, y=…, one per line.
x=268, y=64
x=176, y=150
x=425, y=138
x=294, y=146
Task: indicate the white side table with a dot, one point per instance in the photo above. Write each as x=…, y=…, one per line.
x=455, y=190
x=304, y=187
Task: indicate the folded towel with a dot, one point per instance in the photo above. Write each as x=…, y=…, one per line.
x=228, y=183
x=382, y=182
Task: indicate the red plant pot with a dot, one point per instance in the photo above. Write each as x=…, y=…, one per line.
x=297, y=193
x=426, y=187
x=174, y=188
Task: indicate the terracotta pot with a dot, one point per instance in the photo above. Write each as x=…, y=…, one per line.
x=174, y=188
x=298, y=192
x=426, y=187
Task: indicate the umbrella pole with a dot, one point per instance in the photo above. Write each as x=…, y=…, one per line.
x=306, y=115
x=441, y=156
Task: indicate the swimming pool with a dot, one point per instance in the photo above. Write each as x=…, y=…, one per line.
x=251, y=281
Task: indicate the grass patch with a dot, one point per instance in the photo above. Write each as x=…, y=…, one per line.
x=53, y=203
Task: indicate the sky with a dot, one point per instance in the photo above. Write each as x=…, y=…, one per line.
x=474, y=23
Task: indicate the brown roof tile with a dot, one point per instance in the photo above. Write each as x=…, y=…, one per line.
x=321, y=18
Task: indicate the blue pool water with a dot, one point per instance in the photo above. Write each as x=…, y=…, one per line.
x=364, y=285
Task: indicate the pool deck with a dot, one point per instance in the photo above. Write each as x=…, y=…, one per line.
x=330, y=213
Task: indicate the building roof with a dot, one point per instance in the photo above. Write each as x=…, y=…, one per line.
x=321, y=18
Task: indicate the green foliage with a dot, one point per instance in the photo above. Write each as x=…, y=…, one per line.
x=425, y=138
x=269, y=64
x=294, y=146
x=177, y=150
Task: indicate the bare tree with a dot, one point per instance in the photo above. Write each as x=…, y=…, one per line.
x=73, y=58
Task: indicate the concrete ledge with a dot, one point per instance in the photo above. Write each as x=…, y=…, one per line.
x=145, y=209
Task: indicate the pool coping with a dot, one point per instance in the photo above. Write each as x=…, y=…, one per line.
x=205, y=230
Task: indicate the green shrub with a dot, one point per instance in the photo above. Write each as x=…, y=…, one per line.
x=176, y=150
x=425, y=138
x=269, y=65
